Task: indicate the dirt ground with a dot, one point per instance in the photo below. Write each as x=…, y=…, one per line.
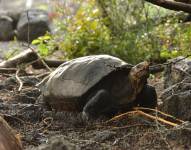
x=26, y=113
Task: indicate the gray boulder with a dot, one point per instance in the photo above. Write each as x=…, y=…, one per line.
x=15, y=15
x=36, y=20
x=176, y=71
x=178, y=105
x=6, y=28
x=176, y=97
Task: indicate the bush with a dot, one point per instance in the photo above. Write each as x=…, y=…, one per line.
x=131, y=30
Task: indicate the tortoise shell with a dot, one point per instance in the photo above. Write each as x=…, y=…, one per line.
x=74, y=78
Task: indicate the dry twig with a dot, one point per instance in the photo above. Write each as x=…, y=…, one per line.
x=160, y=112
x=121, y=116
x=19, y=80
x=28, y=44
x=39, y=57
x=47, y=122
x=139, y=112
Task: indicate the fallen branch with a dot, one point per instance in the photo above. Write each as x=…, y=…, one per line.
x=172, y=5
x=160, y=112
x=121, y=116
x=184, y=1
x=22, y=58
x=139, y=112
x=27, y=57
x=157, y=118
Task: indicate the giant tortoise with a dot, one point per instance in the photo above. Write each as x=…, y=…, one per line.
x=98, y=84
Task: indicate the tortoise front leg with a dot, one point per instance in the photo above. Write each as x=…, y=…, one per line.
x=100, y=103
x=147, y=97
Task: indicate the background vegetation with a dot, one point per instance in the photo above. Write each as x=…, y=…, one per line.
x=133, y=30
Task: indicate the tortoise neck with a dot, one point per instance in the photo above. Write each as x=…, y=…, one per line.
x=137, y=84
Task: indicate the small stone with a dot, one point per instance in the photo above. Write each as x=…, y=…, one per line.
x=36, y=20
x=57, y=143
x=6, y=28
x=104, y=135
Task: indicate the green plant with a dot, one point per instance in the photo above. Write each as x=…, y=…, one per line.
x=43, y=44
x=131, y=29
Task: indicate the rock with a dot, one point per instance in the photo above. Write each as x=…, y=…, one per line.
x=176, y=88
x=6, y=28
x=176, y=72
x=104, y=135
x=38, y=22
x=178, y=105
x=14, y=15
x=176, y=99
x=8, y=140
x=57, y=143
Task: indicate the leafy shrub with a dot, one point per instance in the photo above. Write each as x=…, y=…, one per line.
x=131, y=29
x=43, y=48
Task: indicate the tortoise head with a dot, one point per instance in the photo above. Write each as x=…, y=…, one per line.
x=138, y=76
x=140, y=71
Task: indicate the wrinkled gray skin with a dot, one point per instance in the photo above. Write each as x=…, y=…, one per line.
x=98, y=85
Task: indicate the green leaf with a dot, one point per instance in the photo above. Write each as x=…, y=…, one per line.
x=43, y=49
x=46, y=37
x=36, y=42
